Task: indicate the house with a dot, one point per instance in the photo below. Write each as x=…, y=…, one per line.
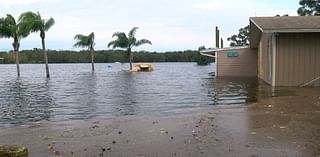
x=283, y=51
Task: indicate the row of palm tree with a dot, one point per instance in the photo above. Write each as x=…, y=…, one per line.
x=28, y=22
x=122, y=41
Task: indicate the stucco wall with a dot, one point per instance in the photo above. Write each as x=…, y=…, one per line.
x=243, y=65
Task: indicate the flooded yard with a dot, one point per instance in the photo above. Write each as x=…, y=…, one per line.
x=74, y=92
x=177, y=110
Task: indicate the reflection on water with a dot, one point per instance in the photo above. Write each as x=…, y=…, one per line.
x=226, y=91
x=74, y=92
x=21, y=101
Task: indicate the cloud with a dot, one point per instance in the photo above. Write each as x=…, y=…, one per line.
x=169, y=24
x=215, y=5
x=21, y=2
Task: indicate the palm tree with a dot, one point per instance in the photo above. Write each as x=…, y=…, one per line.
x=86, y=42
x=309, y=8
x=127, y=42
x=39, y=25
x=10, y=28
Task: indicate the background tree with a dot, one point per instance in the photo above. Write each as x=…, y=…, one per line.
x=309, y=8
x=241, y=39
x=10, y=28
x=86, y=42
x=202, y=60
x=127, y=42
x=39, y=25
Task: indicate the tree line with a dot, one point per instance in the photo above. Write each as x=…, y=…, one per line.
x=102, y=56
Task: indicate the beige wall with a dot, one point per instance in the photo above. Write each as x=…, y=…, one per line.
x=243, y=65
x=265, y=58
x=297, y=58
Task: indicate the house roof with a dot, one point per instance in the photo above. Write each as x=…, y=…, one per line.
x=281, y=24
x=287, y=23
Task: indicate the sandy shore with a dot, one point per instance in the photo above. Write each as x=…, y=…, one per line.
x=279, y=126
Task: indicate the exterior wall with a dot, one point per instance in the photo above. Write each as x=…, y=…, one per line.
x=297, y=58
x=243, y=65
x=265, y=58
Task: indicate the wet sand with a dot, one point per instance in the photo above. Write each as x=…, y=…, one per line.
x=278, y=126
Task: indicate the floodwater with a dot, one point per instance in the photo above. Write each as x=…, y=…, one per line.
x=74, y=92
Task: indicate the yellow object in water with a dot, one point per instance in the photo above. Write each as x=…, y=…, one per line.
x=142, y=67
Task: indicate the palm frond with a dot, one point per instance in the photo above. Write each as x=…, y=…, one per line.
x=91, y=36
x=84, y=40
x=5, y=32
x=121, y=41
x=8, y=27
x=48, y=24
x=119, y=34
x=132, y=32
x=81, y=44
x=112, y=43
x=31, y=20
x=142, y=42
x=79, y=37
x=91, y=40
x=10, y=20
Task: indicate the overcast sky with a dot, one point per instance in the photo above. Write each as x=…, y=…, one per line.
x=169, y=24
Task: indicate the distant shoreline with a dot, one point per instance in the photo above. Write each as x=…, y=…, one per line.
x=102, y=56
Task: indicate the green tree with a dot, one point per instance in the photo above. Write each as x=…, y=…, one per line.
x=240, y=39
x=309, y=8
x=10, y=28
x=200, y=59
x=86, y=41
x=39, y=25
x=128, y=42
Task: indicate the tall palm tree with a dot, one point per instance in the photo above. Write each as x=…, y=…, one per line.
x=86, y=41
x=39, y=25
x=309, y=8
x=10, y=28
x=127, y=42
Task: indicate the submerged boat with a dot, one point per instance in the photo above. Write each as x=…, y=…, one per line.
x=142, y=67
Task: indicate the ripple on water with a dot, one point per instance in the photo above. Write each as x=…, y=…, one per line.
x=74, y=92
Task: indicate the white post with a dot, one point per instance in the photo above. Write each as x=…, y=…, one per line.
x=274, y=49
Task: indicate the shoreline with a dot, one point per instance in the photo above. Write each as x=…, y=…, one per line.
x=278, y=126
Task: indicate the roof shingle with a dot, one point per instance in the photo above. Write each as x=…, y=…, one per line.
x=287, y=23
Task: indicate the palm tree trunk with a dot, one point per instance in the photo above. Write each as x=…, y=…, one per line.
x=92, y=58
x=130, y=58
x=17, y=62
x=45, y=57
x=15, y=46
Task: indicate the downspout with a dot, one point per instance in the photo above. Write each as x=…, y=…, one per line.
x=274, y=53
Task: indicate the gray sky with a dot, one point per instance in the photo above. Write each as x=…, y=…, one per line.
x=169, y=24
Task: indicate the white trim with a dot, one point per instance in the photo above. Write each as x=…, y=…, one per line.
x=291, y=30
x=251, y=20
x=223, y=49
x=208, y=55
x=274, y=49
